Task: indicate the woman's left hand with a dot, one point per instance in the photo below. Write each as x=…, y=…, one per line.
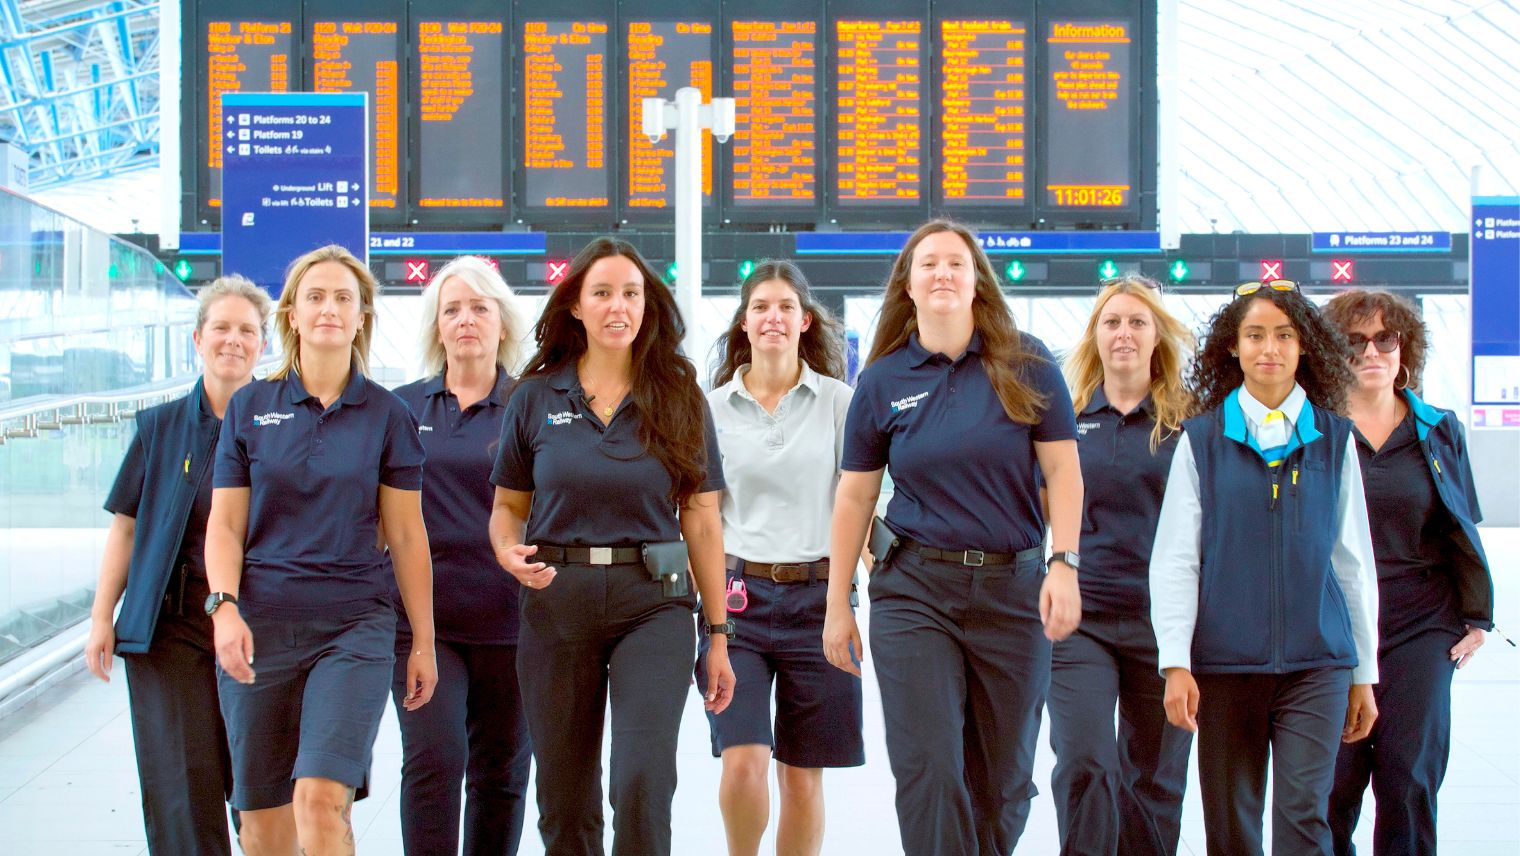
x=1465, y=649
x=421, y=678
x=1361, y=712
x=1060, y=602
x=720, y=677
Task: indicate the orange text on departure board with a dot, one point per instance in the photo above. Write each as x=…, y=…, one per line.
x=880, y=121
x=227, y=46
x=446, y=54
x=546, y=48
x=983, y=111
x=775, y=95
x=332, y=72
x=655, y=71
x=1085, y=79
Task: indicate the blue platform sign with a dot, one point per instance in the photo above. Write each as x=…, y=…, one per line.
x=1028, y=243
x=1381, y=242
x=294, y=179
x=1495, y=283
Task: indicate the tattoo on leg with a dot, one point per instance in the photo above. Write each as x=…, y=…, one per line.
x=348, y=825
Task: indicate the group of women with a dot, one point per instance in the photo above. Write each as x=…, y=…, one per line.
x=1261, y=539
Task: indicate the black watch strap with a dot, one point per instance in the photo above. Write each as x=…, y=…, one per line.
x=1068, y=557
x=726, y=628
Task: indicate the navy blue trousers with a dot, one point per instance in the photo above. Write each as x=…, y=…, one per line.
x=473, y=731
x=598, y=634
x=1297, y=718
x=183, y=763
x=1405, y=756
x=964, y=666
x=1115, y=792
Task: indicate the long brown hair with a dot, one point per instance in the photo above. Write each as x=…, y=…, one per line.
x=1169, y=395
x=664, y=391
x=1003, y=354
x=290, y=338
x=821, y=345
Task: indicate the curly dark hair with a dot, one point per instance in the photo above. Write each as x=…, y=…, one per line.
x=822, y=345
x=1323, y=370
x=665, y=389
x=1352, y=308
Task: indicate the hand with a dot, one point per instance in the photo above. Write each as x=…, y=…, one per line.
x=1181, y=699
x=1060, y=602
x=234, y=643
x=534, y=575
x=841, y=637
x=720, y=676
x=1361, y=712
x=421, y=678
x=1465, y=649
x=100, y=647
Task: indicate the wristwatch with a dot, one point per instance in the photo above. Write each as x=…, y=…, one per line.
x=726, y=628
x=1068, y=557
x=216, y=599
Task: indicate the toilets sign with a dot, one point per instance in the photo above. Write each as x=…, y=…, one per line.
x=1495, y=283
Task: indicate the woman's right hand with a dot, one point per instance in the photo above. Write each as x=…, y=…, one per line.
x=99, y=648
x=840, y=634
x=1181, y=699
x=534, y=575
x=234, y=643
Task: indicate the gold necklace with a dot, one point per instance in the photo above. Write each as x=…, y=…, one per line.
x=612, y=402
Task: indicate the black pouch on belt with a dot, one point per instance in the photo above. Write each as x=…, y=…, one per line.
x=666, y=562
x=883, y=542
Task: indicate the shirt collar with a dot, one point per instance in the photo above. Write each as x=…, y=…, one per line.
x=735, y=386
x=1242, y=413
x=918, y=354
x=565, y=378
x=1099, y=400
x=353, y=394
x=435, y=386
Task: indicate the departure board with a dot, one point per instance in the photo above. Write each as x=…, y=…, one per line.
x=775, y=90
x=664, y=56
x=1089, y=114
x=460, y=101
x=363, y=56
x=564, y=94
x=241, y=56
x=983, y=113
x=878, y=107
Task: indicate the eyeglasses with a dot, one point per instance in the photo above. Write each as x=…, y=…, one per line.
x=1386, y=341
x=1248, y=288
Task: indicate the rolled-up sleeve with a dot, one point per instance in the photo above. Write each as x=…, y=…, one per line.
x=1175, y=563
x=1352, y=562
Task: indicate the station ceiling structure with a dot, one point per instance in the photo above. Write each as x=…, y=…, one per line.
x=1292, y=115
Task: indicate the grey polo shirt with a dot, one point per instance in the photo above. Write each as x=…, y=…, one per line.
x=780, y=468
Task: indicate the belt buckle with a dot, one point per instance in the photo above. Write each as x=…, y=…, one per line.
x=973, y=558
x=776, y=570
x=600, y=555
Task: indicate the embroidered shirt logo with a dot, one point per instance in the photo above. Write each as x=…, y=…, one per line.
x=910, y=401
x=1084, y=427
x=272, y=418
x=564, y=417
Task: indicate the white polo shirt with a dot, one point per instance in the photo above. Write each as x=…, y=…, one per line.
x=780, y=468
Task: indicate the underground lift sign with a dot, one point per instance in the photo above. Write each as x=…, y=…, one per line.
x=295, y=172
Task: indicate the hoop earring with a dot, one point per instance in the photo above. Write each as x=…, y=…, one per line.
x=1408, y=376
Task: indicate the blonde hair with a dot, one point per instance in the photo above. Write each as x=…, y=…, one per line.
x=486, y=281
x=1003, y=353
x=234, y=285
x=1169, y=395
x=290, y=339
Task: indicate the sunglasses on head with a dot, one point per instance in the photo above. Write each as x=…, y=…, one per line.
x=1386, y=341
x=1248, y=288
x=1146, y=281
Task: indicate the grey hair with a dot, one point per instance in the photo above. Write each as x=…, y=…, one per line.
x=234, y=285
x=484, y=280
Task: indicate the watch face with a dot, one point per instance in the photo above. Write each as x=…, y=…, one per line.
x=212, y=602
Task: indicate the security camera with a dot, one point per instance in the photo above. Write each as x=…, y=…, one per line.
x=722, y=138
x=654, y=139
x=723, y=118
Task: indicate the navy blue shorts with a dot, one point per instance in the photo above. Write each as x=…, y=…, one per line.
x=779, y=638
x=314, y=707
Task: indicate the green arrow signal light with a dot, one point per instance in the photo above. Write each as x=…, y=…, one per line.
x=746, y=268
x=182, y=269
x=1108, y=270
x=1179, y=270
x=1015, y=271
x=670, y=272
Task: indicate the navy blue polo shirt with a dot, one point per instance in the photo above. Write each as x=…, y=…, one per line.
x=474, y=600
x=314, y=477
x=593, y=485
x=964, y=473
x=1123, y=483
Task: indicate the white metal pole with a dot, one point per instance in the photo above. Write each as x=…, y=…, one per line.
x=688, y=202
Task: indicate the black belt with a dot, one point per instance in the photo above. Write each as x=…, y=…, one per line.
x=783, y=572
x=590, y=555
x=969, y=558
